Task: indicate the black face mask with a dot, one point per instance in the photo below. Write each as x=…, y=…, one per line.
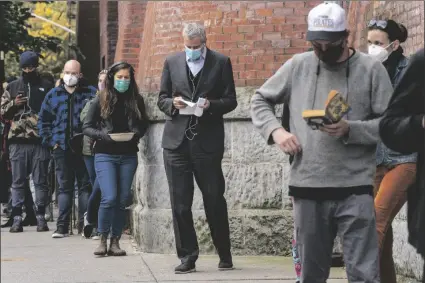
x=331, y=55
x=30, y=76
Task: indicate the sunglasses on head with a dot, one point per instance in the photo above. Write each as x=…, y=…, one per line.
x=378, y=23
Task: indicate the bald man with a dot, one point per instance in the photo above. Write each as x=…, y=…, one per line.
x=60, y=127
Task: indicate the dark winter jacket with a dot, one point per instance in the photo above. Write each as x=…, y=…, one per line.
x=401, y=129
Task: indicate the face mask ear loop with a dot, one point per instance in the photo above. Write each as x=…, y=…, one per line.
x=389, y=45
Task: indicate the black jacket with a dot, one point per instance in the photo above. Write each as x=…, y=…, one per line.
x=215, y=83
x=24, y=127
x=36, y=91
x=401, y=130
x=98, y=129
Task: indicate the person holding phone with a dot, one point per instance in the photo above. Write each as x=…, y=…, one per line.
x=20, y=104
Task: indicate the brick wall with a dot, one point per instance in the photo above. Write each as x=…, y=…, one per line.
x=130, y=32
x=108, y=11
x=409, y=13
x=258, y=36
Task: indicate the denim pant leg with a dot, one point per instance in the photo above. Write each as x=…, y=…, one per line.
x=94, y=198
x=107, y=175
x=65, y=176
x=127, y=169
x=40, y=166
x=84, y=187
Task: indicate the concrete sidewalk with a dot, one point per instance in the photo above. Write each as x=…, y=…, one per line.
x=35, y=257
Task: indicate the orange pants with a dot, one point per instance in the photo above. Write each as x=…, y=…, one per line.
x=391, y=184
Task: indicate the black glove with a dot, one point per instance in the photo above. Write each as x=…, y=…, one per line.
x=104, y=137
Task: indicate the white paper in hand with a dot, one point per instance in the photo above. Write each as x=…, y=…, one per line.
x=189, y=109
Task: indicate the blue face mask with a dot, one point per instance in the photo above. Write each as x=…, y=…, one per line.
x=121, y=85
x=193, y=54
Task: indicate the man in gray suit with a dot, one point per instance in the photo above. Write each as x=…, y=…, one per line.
x=193, y=141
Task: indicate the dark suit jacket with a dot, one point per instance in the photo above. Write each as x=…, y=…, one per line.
x=216, y=84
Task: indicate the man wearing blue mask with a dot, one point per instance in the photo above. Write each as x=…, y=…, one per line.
x=197, y=89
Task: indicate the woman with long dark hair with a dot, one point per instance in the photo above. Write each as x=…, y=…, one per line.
x=116, y=121
x=395, y=172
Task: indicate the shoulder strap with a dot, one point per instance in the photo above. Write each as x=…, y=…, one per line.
x=285, y=116
x=285, y=123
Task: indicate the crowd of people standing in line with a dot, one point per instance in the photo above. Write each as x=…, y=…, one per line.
x=46, y=122
x=350, y=177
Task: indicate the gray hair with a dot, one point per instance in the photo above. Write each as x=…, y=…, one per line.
x=194, y=30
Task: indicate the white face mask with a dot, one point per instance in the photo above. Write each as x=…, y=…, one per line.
x=70, y=80
x=379, y=52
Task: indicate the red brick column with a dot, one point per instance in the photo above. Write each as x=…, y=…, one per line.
x=131, y=16
x=108, y=15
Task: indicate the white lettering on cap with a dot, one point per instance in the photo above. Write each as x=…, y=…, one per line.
x=324, y=22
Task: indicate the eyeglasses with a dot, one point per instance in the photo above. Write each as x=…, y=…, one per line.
x=379, y=23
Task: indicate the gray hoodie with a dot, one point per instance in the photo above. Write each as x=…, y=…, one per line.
x=325, y=161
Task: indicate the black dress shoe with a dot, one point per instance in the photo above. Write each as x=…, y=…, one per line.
x=185, y=267
x=337, y=260
x=225, y=265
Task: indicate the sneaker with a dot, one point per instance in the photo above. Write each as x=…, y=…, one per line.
x=42, y=224
x=185, y=267
x=88, y=227
x=60, y=233
x=95, y=235
x=17, y=225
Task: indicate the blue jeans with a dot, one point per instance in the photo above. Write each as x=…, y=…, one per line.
x=115, y=174
x=94, y=199
x=69, y=167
